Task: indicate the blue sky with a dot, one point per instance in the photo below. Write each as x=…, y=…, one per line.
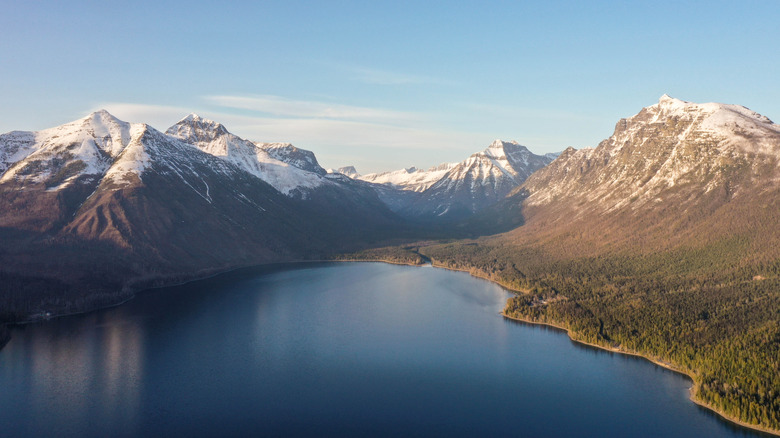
x=385, y=85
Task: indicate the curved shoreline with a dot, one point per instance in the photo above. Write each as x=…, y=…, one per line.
x=723, y=416
x=477, y=274
x=664, y=365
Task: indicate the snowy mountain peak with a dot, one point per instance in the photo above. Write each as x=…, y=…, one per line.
x=194, y=128
x=282, y=165
x=103, y=117
x=195, y=118
x=669, y=106
x=191, y=117
x=82, y=150
x=501, y=144
x=500, y=149
x=287, y=153
x=672, y=146
x=410, y=178
x=460, y=189
x=349, y=171
x=497, y=143
x=715, y=121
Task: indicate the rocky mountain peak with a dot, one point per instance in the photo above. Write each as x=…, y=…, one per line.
x=670, y=150
x=499, y=144
x=349, y=171
x=101, y=117
x=287, y=153
x=196, y=129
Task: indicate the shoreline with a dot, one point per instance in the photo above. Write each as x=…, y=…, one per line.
x=670, y=367
x=722, y=415
x=134, y=291
x=692, y=397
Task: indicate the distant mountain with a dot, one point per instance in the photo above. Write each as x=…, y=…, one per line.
x=100, y=204
x=454, y=191
x=349, y=171
x=414, y=179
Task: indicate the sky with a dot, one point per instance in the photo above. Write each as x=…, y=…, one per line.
x=385, y=84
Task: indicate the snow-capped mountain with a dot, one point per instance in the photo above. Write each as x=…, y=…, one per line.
x=676, y=173
x=298, y=158
x=349, y=171
x=457, y=190
x=482, y=179
x=672, y=148
x=96, y=146
x=99, y=204
x=289, y=169
x=412, y=178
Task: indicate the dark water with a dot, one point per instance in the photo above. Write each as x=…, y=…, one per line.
x=359, y=349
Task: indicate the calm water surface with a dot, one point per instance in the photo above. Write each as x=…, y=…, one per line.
x=359, y=349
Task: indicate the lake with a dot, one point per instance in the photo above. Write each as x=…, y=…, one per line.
x=331, y=349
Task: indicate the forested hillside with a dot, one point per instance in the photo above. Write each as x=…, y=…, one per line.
x=664, y=241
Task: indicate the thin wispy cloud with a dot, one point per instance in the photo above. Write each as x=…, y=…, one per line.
x=371, y=139
x=281, y=106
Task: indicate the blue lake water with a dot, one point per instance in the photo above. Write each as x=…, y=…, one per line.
x=348, y=349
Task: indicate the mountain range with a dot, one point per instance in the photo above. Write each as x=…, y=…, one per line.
x=98, y=205
x=452, y=191
x=107, y=206
x=660, y=240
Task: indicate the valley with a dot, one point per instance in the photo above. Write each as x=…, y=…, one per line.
x=662, y=240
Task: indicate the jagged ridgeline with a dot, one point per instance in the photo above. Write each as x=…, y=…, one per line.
x=662, y=240
x=97, y=208
x=455, y=191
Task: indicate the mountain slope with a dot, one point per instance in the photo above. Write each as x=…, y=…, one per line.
x=98, y=206
x=674, y=171
x=662, y=240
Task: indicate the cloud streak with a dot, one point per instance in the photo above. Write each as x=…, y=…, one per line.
x=280, y=106
x=372, y=139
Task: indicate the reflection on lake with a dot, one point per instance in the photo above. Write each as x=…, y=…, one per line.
x=330, y=349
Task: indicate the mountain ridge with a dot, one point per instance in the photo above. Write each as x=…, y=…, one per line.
x=150, y=206
x=456, y=191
